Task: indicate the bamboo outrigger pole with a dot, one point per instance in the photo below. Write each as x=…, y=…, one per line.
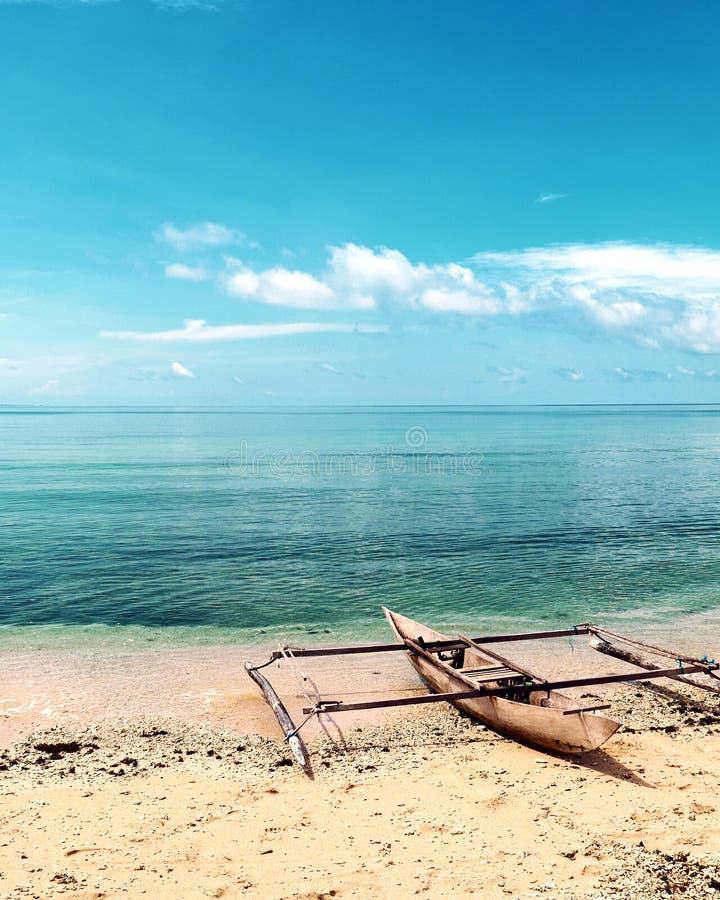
x=602, y=645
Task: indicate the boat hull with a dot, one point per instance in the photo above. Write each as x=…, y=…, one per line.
x=540, y=723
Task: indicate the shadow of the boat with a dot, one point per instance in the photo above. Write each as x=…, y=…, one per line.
x=594, y=761
x=601, y=761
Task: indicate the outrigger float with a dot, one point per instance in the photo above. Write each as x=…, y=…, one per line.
x=494, y=690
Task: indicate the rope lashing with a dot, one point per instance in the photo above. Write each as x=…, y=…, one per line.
x=596, y=634
x=262, y=665
x=302, y=679
x=571, y=636
x=710, y=662
x=304, y=722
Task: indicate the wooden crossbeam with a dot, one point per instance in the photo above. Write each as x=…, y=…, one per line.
x=546, y=686
x=450, y=644
x=584, y=709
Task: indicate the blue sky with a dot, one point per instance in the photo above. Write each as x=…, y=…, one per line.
x=275, y=202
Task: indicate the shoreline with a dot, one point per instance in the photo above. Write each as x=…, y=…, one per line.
x=206, y=683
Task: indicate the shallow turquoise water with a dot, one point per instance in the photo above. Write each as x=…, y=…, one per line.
x=196, y=526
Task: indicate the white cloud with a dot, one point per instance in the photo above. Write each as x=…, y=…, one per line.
x=279, y=287
x=48, y=388
x=369, y=278
x=621, y=265
x=200, y=235
x=656, y=294
x=361, y=271
x=186, y=273
x=513, y=375
x=550, y=198
x=642, y=374
x=574, y=375
x=198, y=331
x=461, y=301
x=359, y=277
x=327, y=367
x=652, y=294
x=180, y=370
x=707, y=375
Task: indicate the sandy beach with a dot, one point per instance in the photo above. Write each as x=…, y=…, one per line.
x=407, y=804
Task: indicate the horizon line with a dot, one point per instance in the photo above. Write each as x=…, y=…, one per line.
x=288, y=406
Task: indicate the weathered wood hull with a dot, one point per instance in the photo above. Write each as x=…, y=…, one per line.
x=540, y=722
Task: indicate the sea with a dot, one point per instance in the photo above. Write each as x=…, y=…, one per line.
x=225, y=526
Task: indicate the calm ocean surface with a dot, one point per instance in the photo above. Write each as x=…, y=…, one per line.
x=196, y=526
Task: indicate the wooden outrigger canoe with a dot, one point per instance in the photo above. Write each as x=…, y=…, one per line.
x=493, y=690
x=550, y=720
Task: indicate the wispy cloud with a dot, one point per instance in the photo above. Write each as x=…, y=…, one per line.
x=201, y=235
x=641, y=374
x=699, y=375
x=180, y=371
x=550, y=198
x=656, y=294
x=513, y=375
x=574, y=375
x=327, y=367
x=198, y=331
x=49, y=387
x=186, y=273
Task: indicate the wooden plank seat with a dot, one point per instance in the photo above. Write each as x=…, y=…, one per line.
x=491, y=673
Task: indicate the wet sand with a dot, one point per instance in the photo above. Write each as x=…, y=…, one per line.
x=208, y=684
